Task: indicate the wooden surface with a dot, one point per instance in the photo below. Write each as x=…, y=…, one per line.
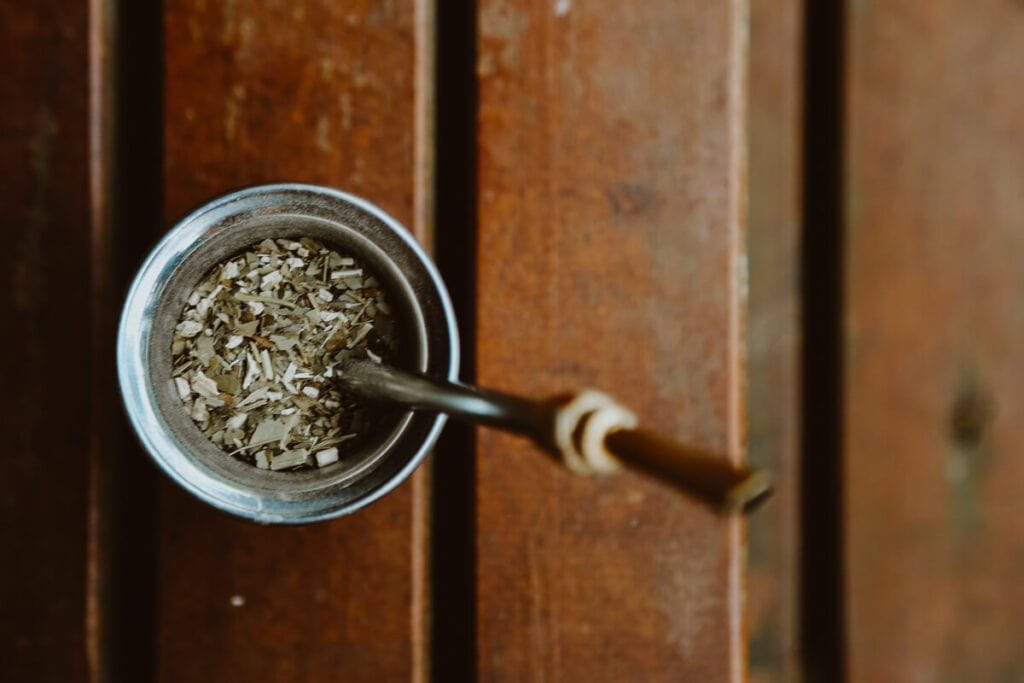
x=610, y=196
x=773, y=333
x=934, y=332
x=321, y=92
x=45, y=306
x=611, y=200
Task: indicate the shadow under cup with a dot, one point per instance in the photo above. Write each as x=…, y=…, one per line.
x=424, y=326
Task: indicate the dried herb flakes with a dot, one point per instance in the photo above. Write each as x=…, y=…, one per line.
x=254, y=350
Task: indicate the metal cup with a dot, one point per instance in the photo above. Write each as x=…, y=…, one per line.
x=226, y=226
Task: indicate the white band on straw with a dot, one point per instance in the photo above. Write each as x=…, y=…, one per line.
x=591, y=415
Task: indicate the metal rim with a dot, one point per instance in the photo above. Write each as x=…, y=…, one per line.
x=440, y=352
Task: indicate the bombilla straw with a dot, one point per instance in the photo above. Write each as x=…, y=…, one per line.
x=419, y=392
x=590, y=433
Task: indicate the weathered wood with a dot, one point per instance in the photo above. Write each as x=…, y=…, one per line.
x=773, y=335
x=611, y=147
x=934, y=331
x=47, y=347
x=320, y=92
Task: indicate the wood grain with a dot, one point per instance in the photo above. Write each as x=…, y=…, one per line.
x=311, y=91
x=611, y=148
x=47, y=350
x=934, y=331
x=773, y=334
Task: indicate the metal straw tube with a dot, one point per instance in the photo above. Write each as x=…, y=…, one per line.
x=726, y=486
x=383, y=383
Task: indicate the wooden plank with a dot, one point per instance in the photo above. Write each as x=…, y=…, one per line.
x=610, y=254
x=934, y=331
x=47, y=349
x=321, y=92
x=773, y=334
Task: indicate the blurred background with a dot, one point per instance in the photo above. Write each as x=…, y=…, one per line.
x=784, y=229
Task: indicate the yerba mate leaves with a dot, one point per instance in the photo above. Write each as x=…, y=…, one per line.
x=255, y=346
